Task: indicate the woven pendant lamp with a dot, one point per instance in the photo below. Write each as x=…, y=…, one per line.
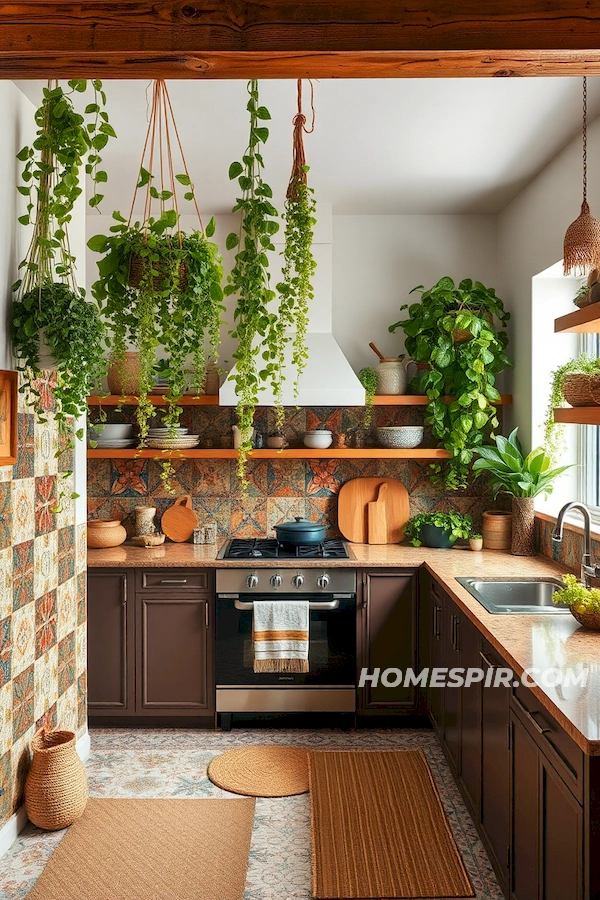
x=582, y=240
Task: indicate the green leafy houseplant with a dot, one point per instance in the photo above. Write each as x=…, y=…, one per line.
x=255, y=325
x=49, y=308
x=451, y=330
x=368, y=379
x=553, y=431
x=514, y=473
x=452, y=524
x=583, y=602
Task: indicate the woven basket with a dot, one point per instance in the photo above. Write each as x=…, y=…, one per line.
x=56, y=790
x=577, y=389
x=588, y=620
x=137, y=266
x=462, y=335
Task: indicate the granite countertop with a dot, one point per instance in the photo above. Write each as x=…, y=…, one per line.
x=524, y=641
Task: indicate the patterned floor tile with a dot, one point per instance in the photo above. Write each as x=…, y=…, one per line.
x=173, y=763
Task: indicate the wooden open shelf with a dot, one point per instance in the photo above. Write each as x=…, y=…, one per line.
x=582, y=321
x=423, y=400
x=302, y=453
x=578, y=415
x=379, y=400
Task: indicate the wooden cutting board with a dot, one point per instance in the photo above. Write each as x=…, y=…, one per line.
x=179, y=521
x=353, y=510
x=377, y=517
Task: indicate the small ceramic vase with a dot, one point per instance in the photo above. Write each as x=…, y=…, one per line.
x=144, y=520
x=476, y=543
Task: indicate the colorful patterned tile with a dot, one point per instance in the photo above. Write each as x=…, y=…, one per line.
x=283, y=509
x=5, y=473
x=80, y=649
x=5, y=785
x=129, y=477
x=66, y=608
x=66, y=553
x=249, y=517
x=46, y=498
x=183, y=480
x=214, y=509
x=23, y=639
x=324, y=417
x=23, y=702
x=67, y=712
x=66, y=663
x=81, y=547
x=212, y=477
x=286, y=478
x=45, y=385
x=45, y=563
x=323, y=510
x=25, y=465
x=6, y=730
x=66, y=448
x=45, y=623
x=23, y=510
x=322, y=477
x=81, y=598
x=65, y=516
x=45, y=447
x=20, y=765
x=5, y=514
x=48, y=719
x=98, y=477
x=82, y=701
x=6, y=582
x=23, y=574
x=5, y=651
x=256, y=473
x=45, y=672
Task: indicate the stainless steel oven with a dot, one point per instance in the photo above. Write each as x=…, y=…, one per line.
x=330, y=683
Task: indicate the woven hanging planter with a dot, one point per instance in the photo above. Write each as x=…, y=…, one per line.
x=56, y=790
x=582, y=240
x=578, y=390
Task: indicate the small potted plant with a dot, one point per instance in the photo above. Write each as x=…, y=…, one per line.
x=440, y=530
x=476, y=541
x=583, y=602
x=524, y=478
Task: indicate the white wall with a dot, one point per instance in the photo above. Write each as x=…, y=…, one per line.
x=377, y=260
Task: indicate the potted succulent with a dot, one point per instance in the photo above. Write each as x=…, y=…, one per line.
x=53, y=324
x=524, y=478
x=476, y=541
x=452, y=330
x=583, y=602
x=438, y=529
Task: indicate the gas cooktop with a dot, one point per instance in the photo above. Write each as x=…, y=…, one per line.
x=259, y=548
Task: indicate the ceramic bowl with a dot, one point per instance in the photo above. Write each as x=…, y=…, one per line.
x=119, y=432
x=400, y=437
x=318, y=440
x=148, y=540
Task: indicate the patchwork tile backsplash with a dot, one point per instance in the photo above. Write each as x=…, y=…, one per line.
x=569, y=551
x=279, y=489
x=42, y=599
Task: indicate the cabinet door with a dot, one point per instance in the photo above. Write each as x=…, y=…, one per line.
x=525, y=814
x=469, y=644
x=174, y=655
x=495, y=765
x=436, y=694
x=388, y=639
x=110, y=642
x=561, y=827
x=452, y=695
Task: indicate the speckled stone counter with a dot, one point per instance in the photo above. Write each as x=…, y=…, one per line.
x=524, y=641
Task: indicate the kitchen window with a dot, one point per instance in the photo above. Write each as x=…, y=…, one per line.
x=588, y=439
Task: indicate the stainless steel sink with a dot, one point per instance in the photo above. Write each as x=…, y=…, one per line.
x=515, y=595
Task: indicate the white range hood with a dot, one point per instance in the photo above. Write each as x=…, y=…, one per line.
x=328, y=379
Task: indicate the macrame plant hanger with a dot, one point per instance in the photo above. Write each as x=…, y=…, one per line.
x=299, y=173
x=582, y=240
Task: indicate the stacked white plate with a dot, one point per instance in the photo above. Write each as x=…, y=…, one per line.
x=165, y=432
x=113, y=437
x=114, y=445
x=183, y=442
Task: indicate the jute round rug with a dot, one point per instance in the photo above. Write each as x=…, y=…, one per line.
x=261, y=771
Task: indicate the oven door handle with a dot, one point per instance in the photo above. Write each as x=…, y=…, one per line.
x=326, y=604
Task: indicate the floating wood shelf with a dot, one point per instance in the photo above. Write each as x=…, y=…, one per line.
x=379, y=400
x=582, y=321
x=302, y=453
x=578, y=415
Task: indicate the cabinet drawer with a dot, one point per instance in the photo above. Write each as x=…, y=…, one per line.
x=551, y=738
x=173, y=580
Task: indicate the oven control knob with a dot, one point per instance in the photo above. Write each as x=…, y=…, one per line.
x=298, y=581
x=323, y=580
x=252, y=581
x=276, y=581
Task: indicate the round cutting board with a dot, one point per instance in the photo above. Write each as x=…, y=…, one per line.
x=353, y=498
x=179, y=521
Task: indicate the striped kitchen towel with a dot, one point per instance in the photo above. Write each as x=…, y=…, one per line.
x=280, y=634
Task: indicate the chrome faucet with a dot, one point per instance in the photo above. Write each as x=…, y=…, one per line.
x=589, y=569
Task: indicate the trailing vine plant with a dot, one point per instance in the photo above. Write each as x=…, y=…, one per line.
x=368, y=379
x=48, y=306
x=254, y=323
x=554, y=433
x=296, y=290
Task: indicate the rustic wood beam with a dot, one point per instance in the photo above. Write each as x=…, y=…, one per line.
x=384, y=64
x=282, y=38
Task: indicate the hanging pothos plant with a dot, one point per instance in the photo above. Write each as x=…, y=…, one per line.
x=50, y=312
x=255, y=324
x=161, y=286
x=296, y=290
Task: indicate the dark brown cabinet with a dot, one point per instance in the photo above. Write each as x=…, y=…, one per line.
x=150, y=643
x=388, y=640
x=110, y=626
x=468, y=641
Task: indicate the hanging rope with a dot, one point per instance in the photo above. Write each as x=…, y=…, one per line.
x=582, y=240
x=299, y=174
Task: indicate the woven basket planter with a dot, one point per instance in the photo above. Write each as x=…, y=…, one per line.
x=124, y=374
x=56, y=790
x=523, y=527
x=588, y=620
x=497, y=529
x=137, y=266
x=462, y=335
x=577, y=389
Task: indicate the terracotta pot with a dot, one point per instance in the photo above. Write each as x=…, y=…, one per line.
x=104, y=533
x=497, y=529
x=56, y=790
x=123, y=375
x=523, y=531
